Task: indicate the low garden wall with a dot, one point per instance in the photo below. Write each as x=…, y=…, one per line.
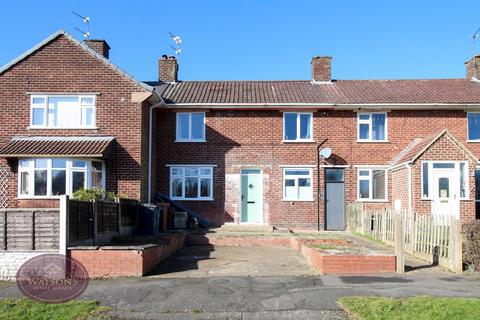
x=127, y=260
x=328, y=261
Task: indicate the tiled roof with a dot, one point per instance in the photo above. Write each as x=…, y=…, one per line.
x=57, y=147
x=420, y=145
x=435, y=91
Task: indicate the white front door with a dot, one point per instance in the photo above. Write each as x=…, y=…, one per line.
x=446, y=193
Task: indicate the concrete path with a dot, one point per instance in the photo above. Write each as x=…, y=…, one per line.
x=208, y=261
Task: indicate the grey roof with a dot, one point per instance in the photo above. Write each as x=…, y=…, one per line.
x=81, y=45
x=336, y=92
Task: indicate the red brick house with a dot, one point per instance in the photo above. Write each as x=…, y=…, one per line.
x=238, y=151
x=70, y=119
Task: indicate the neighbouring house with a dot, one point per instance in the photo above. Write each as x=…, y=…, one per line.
x=236, y=151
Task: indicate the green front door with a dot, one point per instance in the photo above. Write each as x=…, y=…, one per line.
x=252, y=195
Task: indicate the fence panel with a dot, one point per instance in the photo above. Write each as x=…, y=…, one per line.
x=425, y=236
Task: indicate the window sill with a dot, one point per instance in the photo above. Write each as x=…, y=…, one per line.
x=193, y=199
x=373, y=200
x=373, y=141
x=62, y=128
x=473, y=141
x=38, y=198
x=194, y=141
x=298, y=200
x=298, y=141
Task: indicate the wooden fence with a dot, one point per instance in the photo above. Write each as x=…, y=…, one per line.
x=434, y=238
x=98, y=222
x=29, y=229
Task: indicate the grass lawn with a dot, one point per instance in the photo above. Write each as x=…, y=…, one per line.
x=19, y=309
x=424, y=308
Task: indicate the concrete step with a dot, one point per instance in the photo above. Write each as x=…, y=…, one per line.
x=240, y=227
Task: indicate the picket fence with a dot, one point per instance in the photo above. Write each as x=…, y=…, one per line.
x=435, y=238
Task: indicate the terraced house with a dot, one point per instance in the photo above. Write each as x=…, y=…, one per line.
x=291, y=154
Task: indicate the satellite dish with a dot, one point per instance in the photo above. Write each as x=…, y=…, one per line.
x=326, y=153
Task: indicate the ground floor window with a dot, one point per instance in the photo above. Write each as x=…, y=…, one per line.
x=297, y=184
x=44, y=177
x=372, y=184
x=191, y=183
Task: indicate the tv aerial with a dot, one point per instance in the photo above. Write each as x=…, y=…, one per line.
x=474, y=37
x=178, y=42
x=86, y=20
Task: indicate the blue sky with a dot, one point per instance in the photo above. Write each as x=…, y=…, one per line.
x=264, y=39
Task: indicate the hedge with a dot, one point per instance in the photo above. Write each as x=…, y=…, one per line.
x=471, y=245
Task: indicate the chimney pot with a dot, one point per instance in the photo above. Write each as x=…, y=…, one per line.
x=167, y=69
x=101, y=46
x=321, y=68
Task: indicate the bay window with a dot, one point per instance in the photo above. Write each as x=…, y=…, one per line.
x=191, y=182
x=62, y=111
x=57, y=176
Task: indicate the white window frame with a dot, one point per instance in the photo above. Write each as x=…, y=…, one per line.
x=178, y=138
x=457, y=172
x=83, y=108
x=369, y=121
x=298, y=127
x=296, y=177
x=370, y=179
x=183, y=176
x=468, y=127
x=68, y=176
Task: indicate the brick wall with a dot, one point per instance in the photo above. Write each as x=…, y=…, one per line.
x=10, y=261
x=63, y=67
x=237, y=139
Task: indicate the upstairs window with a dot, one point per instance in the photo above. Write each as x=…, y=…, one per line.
x=62, y=112
x=372, y=126
x=473, y=126
x=297, y=126
x=190, y=127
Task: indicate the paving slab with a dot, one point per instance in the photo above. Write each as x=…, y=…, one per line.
x=203, y=261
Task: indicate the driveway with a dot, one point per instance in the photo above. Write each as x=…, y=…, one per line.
x=208, y=261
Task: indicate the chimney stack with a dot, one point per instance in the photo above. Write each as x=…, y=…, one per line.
x=101, y=46
x=321, y=69
x=167, y=69
x=473, y=68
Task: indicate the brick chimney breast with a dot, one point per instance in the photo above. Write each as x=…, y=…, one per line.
x=168, y=69
x=101, y=46
x=321, y=69
x=473, y=68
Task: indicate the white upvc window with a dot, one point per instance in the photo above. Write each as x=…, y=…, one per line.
x=50, y=178
x=473, y=126
x=372, y=184
x=372, y=127
x=297, y=126
x=62, y=112
x=190, y=127
x=297, y=184
x=428, y=167
x=191, y=182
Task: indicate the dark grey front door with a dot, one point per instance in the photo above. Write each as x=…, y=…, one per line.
x=335, y=199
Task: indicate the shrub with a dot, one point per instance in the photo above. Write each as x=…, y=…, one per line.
x=93, y=194
x=471, y=245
